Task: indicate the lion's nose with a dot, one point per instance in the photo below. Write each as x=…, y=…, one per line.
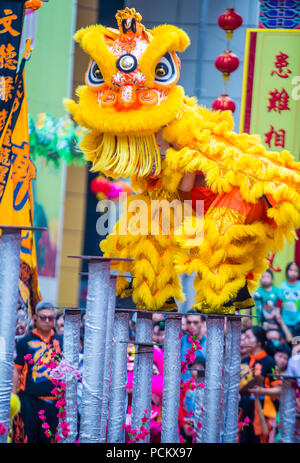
x=127, y=63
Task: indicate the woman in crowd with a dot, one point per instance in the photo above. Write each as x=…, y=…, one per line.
x=260, y=402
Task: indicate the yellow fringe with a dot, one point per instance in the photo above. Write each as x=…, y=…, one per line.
x=156, y=279
x=224, y=260
x=122, y=156
x=229, y=159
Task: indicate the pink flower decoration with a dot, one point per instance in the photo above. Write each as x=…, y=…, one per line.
x=3, y=429
x=240, y=425
x=183, y=366
x=65, y=432
x=45, y=426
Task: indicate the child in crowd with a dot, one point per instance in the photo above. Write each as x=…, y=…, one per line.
x=289, y=298
x=266, y=300
x=281, y=358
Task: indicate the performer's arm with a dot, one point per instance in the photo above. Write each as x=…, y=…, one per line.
x=271, y=391
x=288, y=334
x=187, y=182
x=16, y=376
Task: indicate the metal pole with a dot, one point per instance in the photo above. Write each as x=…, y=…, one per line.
x=118, y=377
x=9, y=283
x=171, y=380
x=287, y=411
x=199, y=404
x=94, y=349
x=233, y=381
x=143, y=368
x=213, y=378
x=107, y=358
x=226, y=376
x=71, y=353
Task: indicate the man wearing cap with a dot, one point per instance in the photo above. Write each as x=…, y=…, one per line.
x=32, y=380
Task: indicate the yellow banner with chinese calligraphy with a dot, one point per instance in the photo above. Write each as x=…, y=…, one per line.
x=270, y=105
x=16, y=203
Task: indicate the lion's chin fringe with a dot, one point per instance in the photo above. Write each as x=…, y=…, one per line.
x=122, y=155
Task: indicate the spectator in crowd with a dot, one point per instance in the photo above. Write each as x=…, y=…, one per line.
x=260, y=402
x=21, y=327
x=266, y=300
x=244, y=349
x=289, y=298
x=60, y=323
x=188, y=401
x=183, y=324
x=157, y=317
x=32, y=380
x=132, y=326
x=194, y=328
x=281, y=358
x=161, y=333
x=274, y=339
x=156, y=333
x=293, y=367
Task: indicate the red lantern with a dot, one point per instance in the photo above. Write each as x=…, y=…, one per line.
x=223, y=103
x=229, y=21
x=226, y=63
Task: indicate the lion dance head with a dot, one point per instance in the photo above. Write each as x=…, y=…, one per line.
x=130, y=93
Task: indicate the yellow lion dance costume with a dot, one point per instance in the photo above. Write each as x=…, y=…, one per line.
x=141, y=125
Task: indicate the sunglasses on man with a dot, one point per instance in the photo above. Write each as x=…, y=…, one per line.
x=51, y=318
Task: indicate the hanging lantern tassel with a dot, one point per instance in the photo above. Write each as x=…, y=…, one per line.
x=227, y=63
x=230, y=21
x=223, y=103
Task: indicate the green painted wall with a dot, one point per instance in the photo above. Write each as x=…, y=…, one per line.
x=47, y=74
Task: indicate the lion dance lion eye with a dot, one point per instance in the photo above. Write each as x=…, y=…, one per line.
x=97, y=74
x=166, y=71
x=161, y=70
x=94, y=76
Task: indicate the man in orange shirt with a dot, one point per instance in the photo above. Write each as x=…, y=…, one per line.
x=32, y=380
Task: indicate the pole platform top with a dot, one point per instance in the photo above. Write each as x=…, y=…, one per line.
x=143, y=311
x=181, y=314
x=112, y=275
x=18, y=228
x=101, y=258
x=71, y=309
x=142, y=344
